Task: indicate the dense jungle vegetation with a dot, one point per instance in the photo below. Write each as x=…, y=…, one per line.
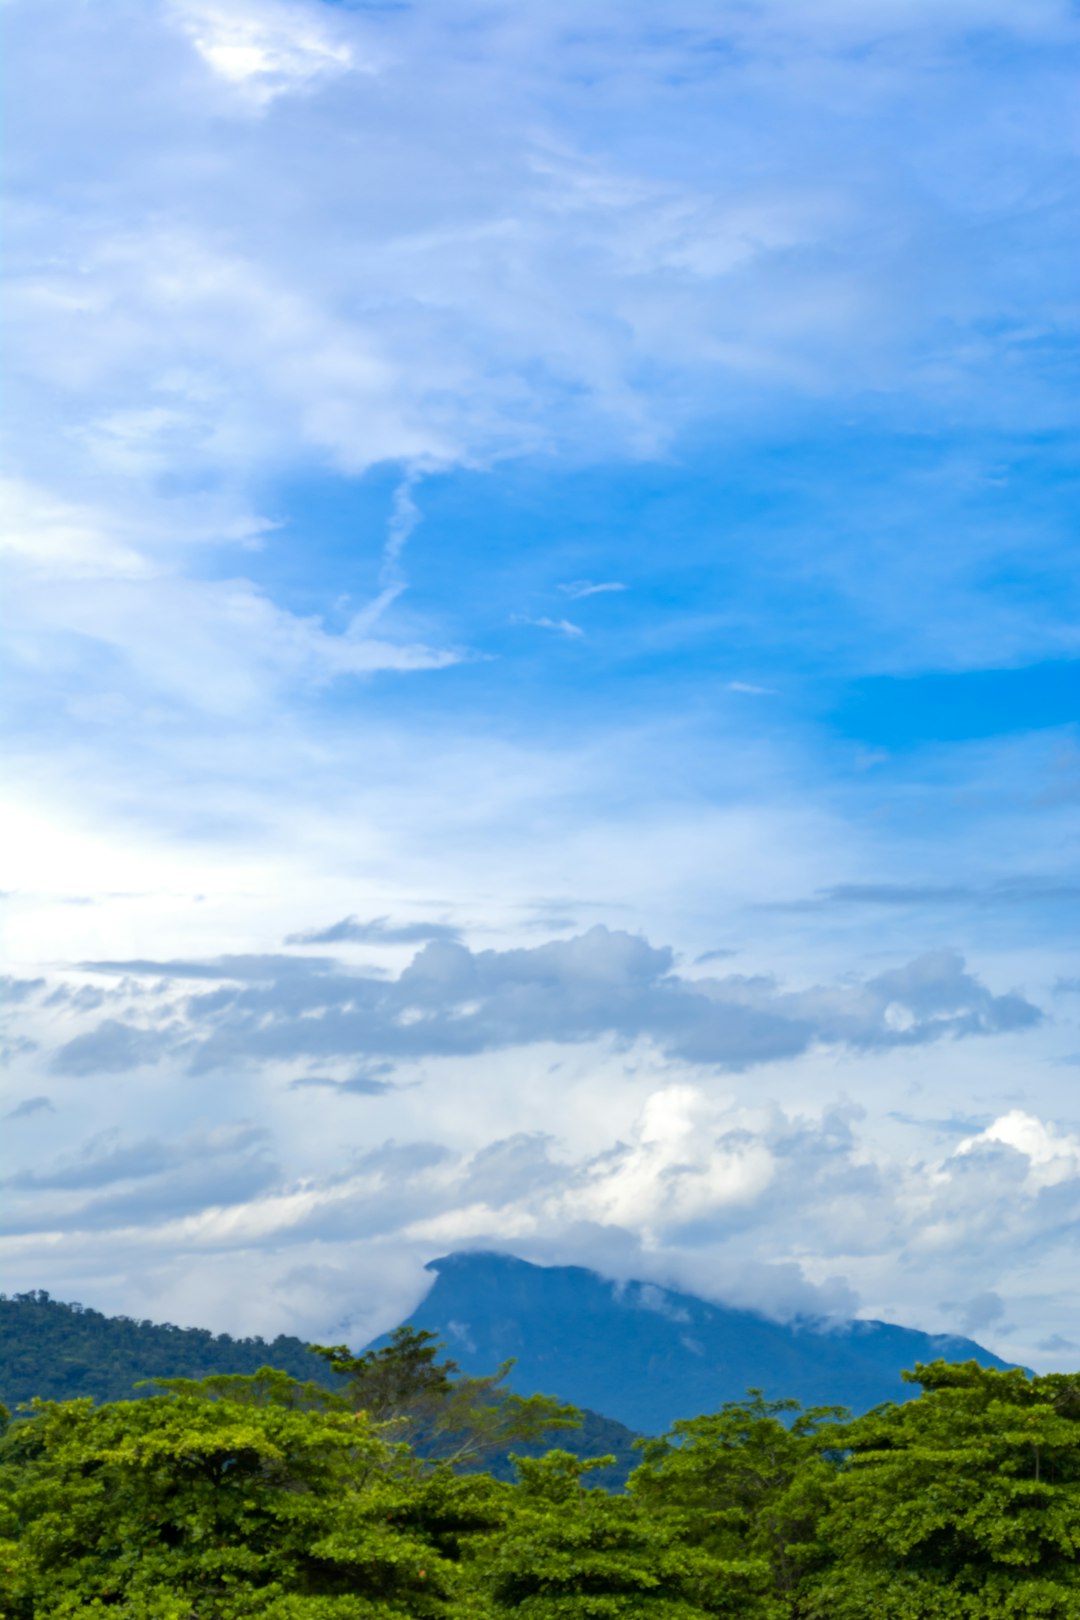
x=59, y=1351
x=262, y=1495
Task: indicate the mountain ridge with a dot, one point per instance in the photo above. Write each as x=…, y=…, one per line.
x=651, y=1355
x=640, y=1355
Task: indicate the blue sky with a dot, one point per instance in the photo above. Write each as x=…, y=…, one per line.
x=577, y=507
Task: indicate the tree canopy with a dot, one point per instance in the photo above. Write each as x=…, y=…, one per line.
x=262, y=1497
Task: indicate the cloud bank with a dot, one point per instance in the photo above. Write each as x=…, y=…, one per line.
x=451, y=1001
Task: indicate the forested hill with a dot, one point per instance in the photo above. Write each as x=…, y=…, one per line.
x=60, y=1351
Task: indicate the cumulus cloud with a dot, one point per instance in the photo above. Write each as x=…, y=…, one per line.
x=1052, y=1157
x=80, y=998
x=791, y=1210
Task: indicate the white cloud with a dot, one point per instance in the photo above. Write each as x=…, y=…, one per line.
x=53, y=538
x=1053, y=1156
x=691, y=1157
x=653, y=1173
x=445, y=275
x=785, y=1210
x=562, y=627
x=579, y=588
x=222, y=647
x=266, y=49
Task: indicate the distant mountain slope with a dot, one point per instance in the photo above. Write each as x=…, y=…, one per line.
x=647, y=1356
x=60, y=1351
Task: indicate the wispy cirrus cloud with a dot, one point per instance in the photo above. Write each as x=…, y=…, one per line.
x=376, y=931
x=578, y=589
x=30, y=1106
x=561, y=627
x=1004, y=893
x=266, y=50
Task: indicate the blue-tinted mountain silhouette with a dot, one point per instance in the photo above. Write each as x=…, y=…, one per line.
x=647, y=1356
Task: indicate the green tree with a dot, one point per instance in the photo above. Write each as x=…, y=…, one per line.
x=186, y=1508
x=268, y=1386
x=434, y=1408
x=570, y=1551
x=748, y=1481
x=963, y=1503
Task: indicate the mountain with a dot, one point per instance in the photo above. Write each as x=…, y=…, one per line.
x=642, y=1355
x=647, y=1356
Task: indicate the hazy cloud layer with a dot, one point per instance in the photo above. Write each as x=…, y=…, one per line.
x=144, y=1182
x=726, y=1198
x=1006, y=892
x=14, y=991
x=113, y=1047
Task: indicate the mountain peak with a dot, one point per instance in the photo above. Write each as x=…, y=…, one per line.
x=646, y=1355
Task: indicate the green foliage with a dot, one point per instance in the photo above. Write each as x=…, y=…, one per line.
x=269, y=1386
x=403, y=1382
x=260, y=1497
x=186, y=1506
x=59, y=1352
x=572, y=1551
x=597, y=1437
x=434, y=1408
x=963, y=1503
x=746, y=1481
